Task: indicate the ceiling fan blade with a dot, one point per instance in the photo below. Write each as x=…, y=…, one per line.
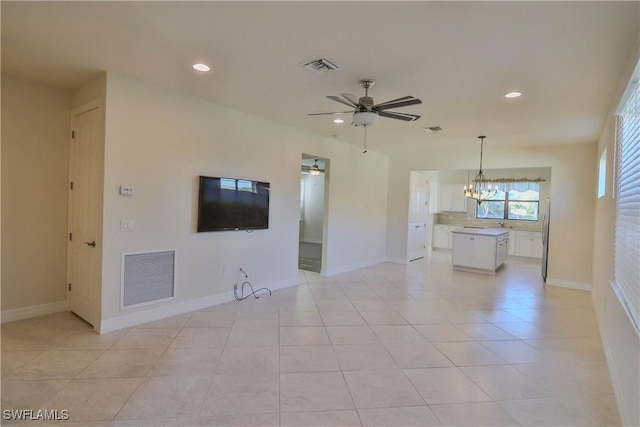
x=351, y=98
x=323, y=114
x=413, y=101
x=341, y=101
x=394, y=100
x=412, y=116
x=399, y=116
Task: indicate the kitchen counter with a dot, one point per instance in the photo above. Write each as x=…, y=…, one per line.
x=481, y=231
x=481, y=250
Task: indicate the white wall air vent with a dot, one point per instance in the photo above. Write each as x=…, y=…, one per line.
x=147, y=277
x=320, y=66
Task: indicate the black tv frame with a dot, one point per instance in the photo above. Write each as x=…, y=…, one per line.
x=237, y=212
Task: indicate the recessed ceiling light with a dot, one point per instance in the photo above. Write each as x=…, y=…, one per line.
x=513, y=94
x=201, y=67
x=338, y=121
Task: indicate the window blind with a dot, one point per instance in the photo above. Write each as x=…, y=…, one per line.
x=626, y=281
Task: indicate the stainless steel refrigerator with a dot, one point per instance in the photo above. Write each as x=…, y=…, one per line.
x=545, y=211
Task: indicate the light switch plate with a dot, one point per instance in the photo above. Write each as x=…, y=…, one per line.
x=126, y=225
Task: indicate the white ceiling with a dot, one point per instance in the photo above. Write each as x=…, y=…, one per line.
x=460, y=58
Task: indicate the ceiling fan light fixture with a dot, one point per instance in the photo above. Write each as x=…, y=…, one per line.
x=364, y=118
x=315, y=170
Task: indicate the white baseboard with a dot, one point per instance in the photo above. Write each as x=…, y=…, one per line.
x=397, y=260
x=350, y=267
x=568, y=284
x=33, y=311
x=168, y=310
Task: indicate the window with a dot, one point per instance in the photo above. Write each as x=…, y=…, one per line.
x=513, y=200
x=627, y=195
x=493, y=208
x=602, y=174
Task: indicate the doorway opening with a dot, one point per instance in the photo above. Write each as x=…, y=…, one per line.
x=313, y=178
x=418, y=231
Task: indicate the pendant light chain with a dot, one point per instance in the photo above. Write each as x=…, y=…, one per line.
x=480, y=190
x=481, y=146
x=365, y=140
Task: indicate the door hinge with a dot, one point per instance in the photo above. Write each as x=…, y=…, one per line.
x=69, y=287
x=71, y=185
x=73, y=134
x=70, y=236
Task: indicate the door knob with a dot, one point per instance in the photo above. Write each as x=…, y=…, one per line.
x=91, y=243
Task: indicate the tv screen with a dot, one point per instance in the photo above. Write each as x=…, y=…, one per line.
x=232, y=204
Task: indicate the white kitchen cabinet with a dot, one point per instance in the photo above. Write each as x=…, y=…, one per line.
x=451, y=198
x=482, y=250
x=529, y=244
x=441, y=237
x=474, y=251
x=512, y=243
x=502, y=251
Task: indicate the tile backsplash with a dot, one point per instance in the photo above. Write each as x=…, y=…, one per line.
x=462, y=219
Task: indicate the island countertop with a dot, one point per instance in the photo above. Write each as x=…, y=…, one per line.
x=493, y=232
x=481, y=250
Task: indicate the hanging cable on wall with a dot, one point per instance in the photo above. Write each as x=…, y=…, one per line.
x=253, y=293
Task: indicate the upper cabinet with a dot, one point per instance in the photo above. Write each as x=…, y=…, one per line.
x=451, y=198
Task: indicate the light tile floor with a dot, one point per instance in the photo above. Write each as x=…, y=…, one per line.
x=415, y=345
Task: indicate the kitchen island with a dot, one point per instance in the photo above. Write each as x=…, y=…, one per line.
x=481, y=250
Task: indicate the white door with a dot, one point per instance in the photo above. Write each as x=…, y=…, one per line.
x=85, y=213
x=417, y=232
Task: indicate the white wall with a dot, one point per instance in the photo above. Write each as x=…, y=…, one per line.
x=572, y=210
x=357, y=214
x=313, y=208
x=90, y=91
x=159, y=141
x=621, y=342
x=35, y=140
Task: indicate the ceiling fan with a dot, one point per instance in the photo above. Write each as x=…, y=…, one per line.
x=366, y=113
x=313, y=170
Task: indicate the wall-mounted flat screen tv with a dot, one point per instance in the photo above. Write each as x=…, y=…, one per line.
x=232, y=204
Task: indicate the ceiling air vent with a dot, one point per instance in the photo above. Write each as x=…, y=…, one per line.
x=433, y=129
x=320, y=66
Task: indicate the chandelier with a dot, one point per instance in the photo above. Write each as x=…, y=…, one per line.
x=480, y=189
